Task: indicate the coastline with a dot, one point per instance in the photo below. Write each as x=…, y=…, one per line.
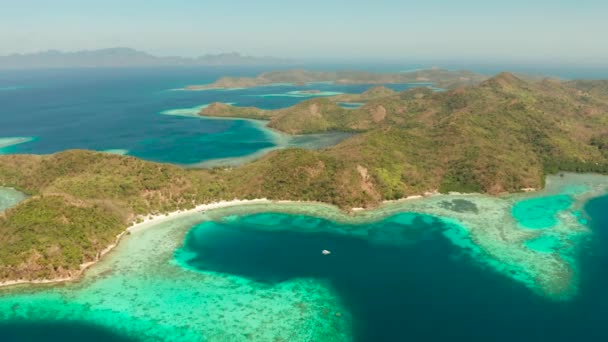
x=148, y=221
x=156, y=219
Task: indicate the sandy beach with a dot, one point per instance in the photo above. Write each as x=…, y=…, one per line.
x=148, y=221
x=152, y=220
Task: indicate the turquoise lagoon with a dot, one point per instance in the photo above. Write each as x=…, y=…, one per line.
x=538, y=213
x=446, y=267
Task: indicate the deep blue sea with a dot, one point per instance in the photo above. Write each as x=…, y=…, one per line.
x=119, y=109
x=420, y=292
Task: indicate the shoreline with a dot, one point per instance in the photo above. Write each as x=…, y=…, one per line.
x=148, y=221
x=151, y=220
x=155, y=219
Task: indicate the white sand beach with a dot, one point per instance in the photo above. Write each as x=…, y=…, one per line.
x=147, y=221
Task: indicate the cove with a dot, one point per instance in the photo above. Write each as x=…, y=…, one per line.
x=420, y=288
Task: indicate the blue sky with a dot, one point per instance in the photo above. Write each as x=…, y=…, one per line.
x=515, y=30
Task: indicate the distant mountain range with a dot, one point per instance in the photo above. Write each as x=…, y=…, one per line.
x=439, y=77
x=125, y=57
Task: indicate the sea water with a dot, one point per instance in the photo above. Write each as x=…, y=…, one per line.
x=10, y=197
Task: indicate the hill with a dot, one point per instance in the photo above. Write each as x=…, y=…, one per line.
x=598, y=89
x=370, y=94
x=319, y=115
x=419, y=140
x=313, y=116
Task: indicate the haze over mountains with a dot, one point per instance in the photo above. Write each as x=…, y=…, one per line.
x=125, y=57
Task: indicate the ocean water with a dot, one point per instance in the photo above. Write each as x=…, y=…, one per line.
x=119, y=110
x=422, y=286
x=57, y=331
x=538, y=213
x=408, y=271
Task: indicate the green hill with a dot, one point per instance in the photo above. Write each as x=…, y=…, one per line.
x=370, y=94
x=218, y=109
x=312, y=116
x=502, y=135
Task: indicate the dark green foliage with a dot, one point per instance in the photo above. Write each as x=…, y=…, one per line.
x=601, y=142
x=50, y=236
x=460, y=177
x=456, y=101
x=555, y=166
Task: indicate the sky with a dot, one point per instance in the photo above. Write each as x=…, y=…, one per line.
x=557, y=31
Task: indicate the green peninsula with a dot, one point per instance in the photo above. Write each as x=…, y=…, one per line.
x=502, y=135
x=317, y=115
